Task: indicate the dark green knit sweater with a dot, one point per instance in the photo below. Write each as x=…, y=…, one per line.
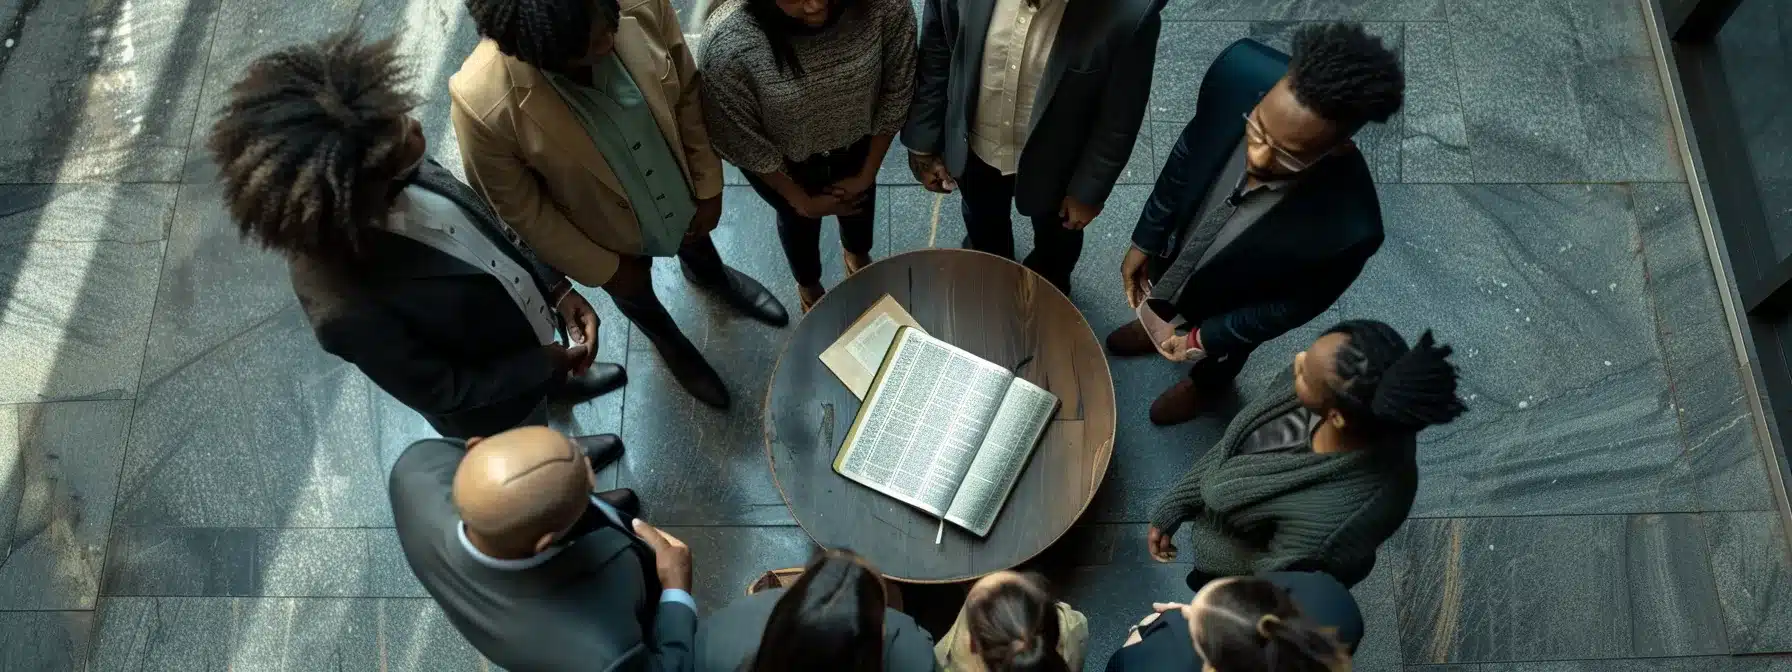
x=1304, y=511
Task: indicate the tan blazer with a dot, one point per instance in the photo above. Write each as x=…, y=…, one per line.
x=531, y=158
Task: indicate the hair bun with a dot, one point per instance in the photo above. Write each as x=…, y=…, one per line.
x=1418, y=389
x=1267, y=625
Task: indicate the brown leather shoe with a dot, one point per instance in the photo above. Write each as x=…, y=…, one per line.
x=1177, y=405
x=1130, y=340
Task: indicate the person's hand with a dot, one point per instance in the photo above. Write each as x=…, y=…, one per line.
x=671, y=558
x=1158, y=542
x=853, y=188
x=1183, y=347
x=581, y=326
x=1132, y=633
x=1077, y=214
x=709, y=213
x=818, y=206
x=571, y=360
x=930, y=171
x=1135, y=278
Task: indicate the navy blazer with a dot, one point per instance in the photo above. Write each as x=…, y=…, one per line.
x=1294, y=262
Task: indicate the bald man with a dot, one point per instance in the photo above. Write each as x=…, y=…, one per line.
x=533, y=568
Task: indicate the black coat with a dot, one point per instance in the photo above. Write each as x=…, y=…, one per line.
x=1294, y=262
x=444, y=338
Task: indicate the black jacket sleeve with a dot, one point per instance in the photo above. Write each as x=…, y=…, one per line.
x=1247, y=327
x=925, y=132
x=1124, y=98
x=1158, y=220
x=409, y=370
x=673, y=642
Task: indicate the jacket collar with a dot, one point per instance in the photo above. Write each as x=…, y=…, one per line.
x=542, y=104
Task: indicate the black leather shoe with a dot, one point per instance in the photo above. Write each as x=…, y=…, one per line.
x=694, y=373
x=602, y=378
x=624, y=500
x=603, y=449
x=746, y=295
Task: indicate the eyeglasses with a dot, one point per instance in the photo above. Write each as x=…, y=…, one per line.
x=1287, y=160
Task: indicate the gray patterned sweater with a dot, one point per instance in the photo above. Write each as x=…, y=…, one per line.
x=1271, y=512
x=858, y=79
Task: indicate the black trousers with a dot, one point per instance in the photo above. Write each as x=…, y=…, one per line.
x=636, y=300
x=1213, y=374
x=988, y=200
x=801, y=236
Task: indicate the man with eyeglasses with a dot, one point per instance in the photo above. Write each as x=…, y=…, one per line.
x=1265, y=212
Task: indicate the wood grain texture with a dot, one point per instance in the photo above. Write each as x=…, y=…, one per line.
x=997, y=310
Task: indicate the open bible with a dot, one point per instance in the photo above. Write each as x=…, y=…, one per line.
x=945, y=431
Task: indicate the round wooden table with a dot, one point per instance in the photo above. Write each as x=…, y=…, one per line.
x=997, y=310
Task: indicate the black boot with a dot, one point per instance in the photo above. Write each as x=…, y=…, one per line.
x=703, y=266
x=603, y=449
x=744, y=294
x=602, y=378
x=686, y=364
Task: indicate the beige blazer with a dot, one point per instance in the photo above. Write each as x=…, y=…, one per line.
x=528, y=154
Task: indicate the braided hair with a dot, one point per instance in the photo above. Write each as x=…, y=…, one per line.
x=1346, y=75
x=830, y=620
x=548, y=34
x=1014, y=627
x=1251, y=625
x=1383, y=386
x=308, y=145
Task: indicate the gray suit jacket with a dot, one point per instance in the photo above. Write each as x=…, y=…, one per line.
x=588, y=608
x=1086, y=114
x=730, y=637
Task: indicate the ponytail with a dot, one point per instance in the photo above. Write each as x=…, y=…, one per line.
x=1383, y=386
x=1252, y=625
x=1014, y=627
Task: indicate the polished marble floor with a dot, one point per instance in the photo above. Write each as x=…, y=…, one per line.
x=188, y=483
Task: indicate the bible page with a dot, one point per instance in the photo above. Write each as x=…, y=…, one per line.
x=919, y=430
x=1019, y=422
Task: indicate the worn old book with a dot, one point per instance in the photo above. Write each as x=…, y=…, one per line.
x=945, y=431
x=855, y=356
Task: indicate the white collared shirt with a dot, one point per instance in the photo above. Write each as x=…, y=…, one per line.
x=519, y=564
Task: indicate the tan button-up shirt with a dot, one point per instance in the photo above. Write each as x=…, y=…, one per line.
x=1014, y=57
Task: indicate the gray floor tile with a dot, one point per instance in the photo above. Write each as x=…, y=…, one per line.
x=264, y=430
x=277, y=634
x=1675, y=609
x=1434, y=143
x=725, y=560
x=181, y=562
x=102, y=91
x=694, y=465
x=1184, y=51
x=1377, y=598
x=912, y=223
x=1305, y=10
x=1568, y=399
x=50, y=641
x=1502, y=589
x=1754, y=579
x=75, y=316
x=1722, y=459
x=213, y=287
x=163, y=634
x=85, y=213
x=334, y=634
x=60, y=467
x=1560, y=90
